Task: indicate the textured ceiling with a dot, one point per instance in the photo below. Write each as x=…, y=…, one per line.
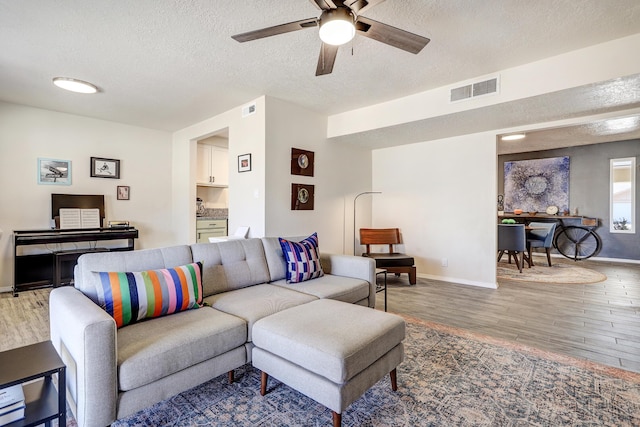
x=166, y=64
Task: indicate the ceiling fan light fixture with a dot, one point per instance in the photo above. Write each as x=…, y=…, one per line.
x=74, y=85
x=337, y=27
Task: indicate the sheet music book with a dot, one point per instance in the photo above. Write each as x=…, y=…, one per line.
x=79, y=218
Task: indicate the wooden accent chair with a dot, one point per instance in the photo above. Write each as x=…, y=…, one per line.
x=393, y=262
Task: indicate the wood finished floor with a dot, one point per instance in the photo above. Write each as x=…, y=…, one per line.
x=598, y=322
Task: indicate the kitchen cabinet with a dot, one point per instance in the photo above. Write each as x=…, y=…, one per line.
x=206, y=228
x=212, y=166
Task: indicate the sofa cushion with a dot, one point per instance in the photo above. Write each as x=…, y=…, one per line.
x=391, y=260
x=130, y=297
x=302, y=258
x=87, y=278
x=256, y=302
x=330, y=338
x=275, y=257
x=148, y=351
x=230, y=265
x=339, y=288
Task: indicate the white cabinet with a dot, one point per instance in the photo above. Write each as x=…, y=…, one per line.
x=206, y=228
x=212, y=166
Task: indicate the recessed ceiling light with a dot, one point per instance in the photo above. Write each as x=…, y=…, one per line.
x=623, y=124
x=74, y=85
x=513, y=137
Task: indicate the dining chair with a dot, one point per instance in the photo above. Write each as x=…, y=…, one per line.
x=512, y=240
x=541, y=236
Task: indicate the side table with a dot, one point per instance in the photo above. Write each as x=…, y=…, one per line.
x=383, y=286
x=36, y=362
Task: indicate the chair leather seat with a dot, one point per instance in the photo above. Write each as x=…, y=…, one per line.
x=391, y=260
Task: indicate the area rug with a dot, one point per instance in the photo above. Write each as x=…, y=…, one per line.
x=449, y=377
x=562, y=273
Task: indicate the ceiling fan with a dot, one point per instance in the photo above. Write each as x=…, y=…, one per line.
x=339, y=21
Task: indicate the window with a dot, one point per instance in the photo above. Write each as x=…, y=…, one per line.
x=623, y=191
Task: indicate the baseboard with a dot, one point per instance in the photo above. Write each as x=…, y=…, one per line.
x=459, y=281
x=619, y=260
x=6, y=289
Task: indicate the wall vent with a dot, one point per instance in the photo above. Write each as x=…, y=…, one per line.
x=461, y=93
x=248, y=110
x=473, y=90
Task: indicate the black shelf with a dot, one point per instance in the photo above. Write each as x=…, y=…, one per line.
x=37, y=362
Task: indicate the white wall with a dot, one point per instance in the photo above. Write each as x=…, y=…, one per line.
x=246, y=189
x=28, y=133
x=441, y=195
x=584, y=66
x=340, y=172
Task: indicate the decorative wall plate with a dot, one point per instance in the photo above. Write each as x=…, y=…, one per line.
x=302, y=197
x=301, y=162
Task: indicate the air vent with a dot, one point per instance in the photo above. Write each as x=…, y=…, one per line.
x=485, y=87
x=248, y=110
x=461, y=93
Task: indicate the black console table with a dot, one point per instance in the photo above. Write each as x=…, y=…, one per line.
x=55, y=267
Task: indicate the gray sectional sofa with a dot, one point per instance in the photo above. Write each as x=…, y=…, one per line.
x=114, y=372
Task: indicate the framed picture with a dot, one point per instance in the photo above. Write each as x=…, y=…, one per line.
x=123, y=192
x=54, y=172
x=105, y=168
x=244, y=162
x=301, y=162
x=302, y=197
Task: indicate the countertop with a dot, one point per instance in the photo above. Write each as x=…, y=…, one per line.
x=214, y=213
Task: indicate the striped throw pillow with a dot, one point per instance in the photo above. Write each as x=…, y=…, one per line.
x=134, y=296
x=302, y=258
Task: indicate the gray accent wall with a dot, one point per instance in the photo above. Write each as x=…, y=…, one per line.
x=589, y=189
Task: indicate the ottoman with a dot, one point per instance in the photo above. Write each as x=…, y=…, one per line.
x=330, y=351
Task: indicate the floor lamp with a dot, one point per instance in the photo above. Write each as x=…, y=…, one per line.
x=354, y=215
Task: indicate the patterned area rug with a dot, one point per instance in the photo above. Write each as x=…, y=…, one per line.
x=562, y=273
x=449, y=377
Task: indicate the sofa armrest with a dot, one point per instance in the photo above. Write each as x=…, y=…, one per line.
x=85, y=337
x=357, y=267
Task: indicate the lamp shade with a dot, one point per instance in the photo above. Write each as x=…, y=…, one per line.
x=336, y=26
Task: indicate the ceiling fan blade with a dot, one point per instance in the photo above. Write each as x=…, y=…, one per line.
x=324, y=4
x=326, y=59
x=275, y=30
x=361, y=6
x=392, y=36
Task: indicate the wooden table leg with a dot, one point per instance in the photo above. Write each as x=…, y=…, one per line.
x=337, y=419
x=263, y=383
x=394, y=380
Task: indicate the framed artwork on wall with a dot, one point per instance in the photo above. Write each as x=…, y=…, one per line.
x=244, y=162
x=537, y=184
x=54, y=171
x=302, y=197
x=123, y=192
x=302, y=162
x=105, y=168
